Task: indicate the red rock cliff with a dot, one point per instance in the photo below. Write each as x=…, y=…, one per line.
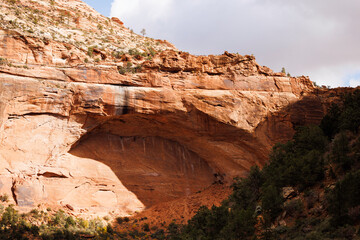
x=83, y=134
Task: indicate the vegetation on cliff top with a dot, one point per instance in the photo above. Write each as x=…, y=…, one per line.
x=78, y=27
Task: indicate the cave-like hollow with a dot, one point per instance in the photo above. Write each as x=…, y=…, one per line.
x=168, y=156
x=162, y=158
x=154, y=168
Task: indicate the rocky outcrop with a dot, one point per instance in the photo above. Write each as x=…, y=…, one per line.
x=121, y=142
x=115, y=19
x=86, y=137
x=66, y=32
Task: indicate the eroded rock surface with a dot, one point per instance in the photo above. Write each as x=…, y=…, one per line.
x=116, y=141
x=85, y=137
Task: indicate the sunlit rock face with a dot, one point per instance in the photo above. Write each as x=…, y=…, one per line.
x=87, y=138
x=103, y=147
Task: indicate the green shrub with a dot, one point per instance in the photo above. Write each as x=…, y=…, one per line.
x=330, y=123
x=294, y=207
x=272, y=200
x=343, y=116
x=12, y=1
x=350, y=115
x=34, y=212
x=136, y=53
x=4, y=197
x=59, y=218
x=109, y=229
x=146, y=227
x=344, y=197
x=10, y=217
x=247, y=190
x=345, y=232
x=69, y=222
x=119, y=220
x=298, y=162
x=159, y=234
x=311, y=197
x=3, y=61
x=90, y=51
x=340, y=151
x=129, y=68
x=135, y=234
x=118, y=54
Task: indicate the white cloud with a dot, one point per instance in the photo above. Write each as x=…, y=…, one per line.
x=354, y=82
x=144, y=10
x=335, y=75
x=124, y=8
x=316, y=38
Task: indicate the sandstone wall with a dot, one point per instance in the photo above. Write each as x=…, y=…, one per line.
x=101, y=142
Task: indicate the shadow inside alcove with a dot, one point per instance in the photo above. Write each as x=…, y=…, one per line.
x=154, y=168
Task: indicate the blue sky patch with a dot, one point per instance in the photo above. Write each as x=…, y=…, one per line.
x=353, y=80
x=102, y=6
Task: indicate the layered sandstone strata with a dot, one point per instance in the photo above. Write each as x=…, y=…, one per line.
x=101, y=141
x=86, y=137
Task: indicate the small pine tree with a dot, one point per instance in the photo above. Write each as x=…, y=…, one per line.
x=143, y=32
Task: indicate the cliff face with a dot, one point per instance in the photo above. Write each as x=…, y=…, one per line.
x=100, y=137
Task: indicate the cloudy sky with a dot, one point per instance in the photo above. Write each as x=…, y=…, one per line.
x=316, y=38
